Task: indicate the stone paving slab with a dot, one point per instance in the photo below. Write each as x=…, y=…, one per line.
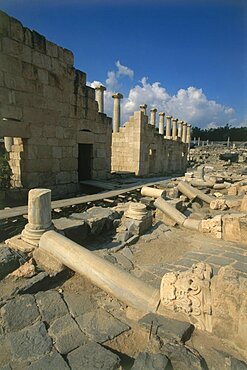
x=166, y=328
x=30, y=343
x=151, y=361
x=93, y=356
x=19, y=313
x=66, y=334
x=101, y=326
x=52, y=361
x=78, y=304
x=51, y=305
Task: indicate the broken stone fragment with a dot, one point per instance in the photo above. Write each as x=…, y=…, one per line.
x=218, y=204
x=27, y=270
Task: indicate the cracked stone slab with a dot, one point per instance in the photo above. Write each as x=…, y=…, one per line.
x=151, y=361
x=183, y=357
x=52, y=361
x=30, y=343
x=166, y=328
x=51, y=305
x=66, y=334
x=19, y=313
x=100, y=326
x=78, y=304
x=5, y=353
x=93, y=356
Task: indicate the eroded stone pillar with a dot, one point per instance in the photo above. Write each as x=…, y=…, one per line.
x=39, y=215
x=116, y=111
x=188, y=134
x=184, y=132
x=99, y=97
x=8, y=142
x=168, y=127
x=143, y=108
x=180, y=128
x=161, y=122
x=153, y=116
x=174, y=128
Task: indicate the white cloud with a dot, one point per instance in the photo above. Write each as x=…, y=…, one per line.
x=190, y=105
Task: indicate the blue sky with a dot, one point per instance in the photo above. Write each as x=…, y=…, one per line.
x=186, y=57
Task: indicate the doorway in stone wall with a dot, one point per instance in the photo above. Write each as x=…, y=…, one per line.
x=85, y=161
x=152, y=160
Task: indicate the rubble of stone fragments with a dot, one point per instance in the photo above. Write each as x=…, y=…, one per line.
x=159, y=281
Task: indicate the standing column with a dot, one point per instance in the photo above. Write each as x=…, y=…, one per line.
x=161, y=122
x=39, y=215
x=180, y=128
x=99, y=97
x=184, y=132
x=188, y=134
x=143, y=108
x=198, y=141
x=168, y=127
x=116, y=111
x=174, y=128
x=153, y=116
x=8, y=142
x=194, y=140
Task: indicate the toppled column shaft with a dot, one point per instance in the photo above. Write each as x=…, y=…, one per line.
x=170, y=211
x=191, y=192
x=102, y=273
x=146, y=191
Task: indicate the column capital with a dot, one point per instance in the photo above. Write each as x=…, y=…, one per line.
x=161, y=114
x=188, y=125
x=174, y=119
x=184, y=123
x=169, y=117
x=100, y=87
x=153, y=109
x=117, y=96
x=180, y=122
x=143, y=106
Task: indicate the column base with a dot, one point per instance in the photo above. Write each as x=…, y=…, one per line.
x=32, y=236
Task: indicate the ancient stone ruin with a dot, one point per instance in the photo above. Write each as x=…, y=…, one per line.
x=140, y=272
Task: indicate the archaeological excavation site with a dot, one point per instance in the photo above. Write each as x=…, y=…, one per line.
x=123, y=245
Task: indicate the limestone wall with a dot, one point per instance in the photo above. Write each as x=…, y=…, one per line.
x=139, y=148
x=42, y=91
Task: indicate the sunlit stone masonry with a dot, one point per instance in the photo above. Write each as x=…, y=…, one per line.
x=55, y=128
x=141, y=147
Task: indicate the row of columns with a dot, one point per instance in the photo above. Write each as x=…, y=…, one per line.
x=180, y=129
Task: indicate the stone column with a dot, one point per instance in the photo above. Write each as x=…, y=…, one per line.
x=174, y=128
x=99, y=97
x=188, y=134
x=168, y=127
x=184, y=131
x=194, y=140
x=143, y=108
x=116, y=111
x=161, y=122
x=207, y=142
x=153, y=116
x=180, y=128
x=198, y=141
x=39, y=216
x=8, y=142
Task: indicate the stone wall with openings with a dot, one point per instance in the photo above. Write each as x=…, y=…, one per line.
x=138, y=147
x=45, y=103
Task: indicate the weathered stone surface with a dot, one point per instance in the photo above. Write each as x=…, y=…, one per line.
x=212, y=226
x=93, y=356
x=51, y=305
x=234, y=227
x=52, y=361
x=72, y=228
x=9, y=261
x=66, y=334
x=151, y=361
x=78, y=304
x=100, y=325
x=218, y=204
x=30, y=343
x=97, y=218
x=167, y=328
x=243, y=207
x=183, y=357
x=47, y=262
x=5, y=353
x=19, y=312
